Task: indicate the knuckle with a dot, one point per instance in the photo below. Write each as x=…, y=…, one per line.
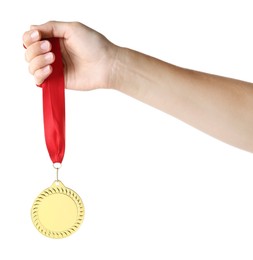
x=31, y=69
x=26, y=57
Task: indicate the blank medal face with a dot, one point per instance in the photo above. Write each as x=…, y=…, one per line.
x=58, y=211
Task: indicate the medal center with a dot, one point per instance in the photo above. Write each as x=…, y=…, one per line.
x=57, y=212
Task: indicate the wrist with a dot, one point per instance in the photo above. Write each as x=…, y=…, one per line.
x=118, y=71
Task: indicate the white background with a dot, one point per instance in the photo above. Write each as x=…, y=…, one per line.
x=153, y=187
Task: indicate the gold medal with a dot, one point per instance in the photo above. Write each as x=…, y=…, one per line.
x=58, y=211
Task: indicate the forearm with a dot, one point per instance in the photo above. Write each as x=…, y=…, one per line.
x=218, y=106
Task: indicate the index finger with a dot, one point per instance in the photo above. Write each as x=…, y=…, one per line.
x=30, y=37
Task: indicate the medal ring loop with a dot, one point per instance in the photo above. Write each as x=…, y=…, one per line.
x=57, y=165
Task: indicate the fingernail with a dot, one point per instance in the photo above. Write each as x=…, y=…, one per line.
x=44, y=45
x=34, y=35
x=46, y=69
x=49, y=56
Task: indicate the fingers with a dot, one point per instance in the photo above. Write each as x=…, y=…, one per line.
x=30, y=37
x=40, y=58
x=38, y=48
x=43, y=31
x=41, y=74
x=40, y=62
x=40, y=67
x=52, y=29
x=46, y=30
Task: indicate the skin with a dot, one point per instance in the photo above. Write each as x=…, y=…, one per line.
x=221, y=107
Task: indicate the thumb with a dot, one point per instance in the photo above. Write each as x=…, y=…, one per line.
x=52, y=29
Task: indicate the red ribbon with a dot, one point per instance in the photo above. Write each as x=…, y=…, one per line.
x=54, y=106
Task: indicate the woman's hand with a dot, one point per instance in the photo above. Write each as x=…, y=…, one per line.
x=88, y=57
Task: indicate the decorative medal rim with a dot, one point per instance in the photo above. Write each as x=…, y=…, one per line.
x=57, y=189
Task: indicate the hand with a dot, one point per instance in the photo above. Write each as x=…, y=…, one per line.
x=219, y=106
x=88, y=57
